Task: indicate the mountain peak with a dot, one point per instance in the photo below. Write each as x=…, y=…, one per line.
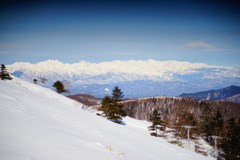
x=50, y=61
x=158, y=77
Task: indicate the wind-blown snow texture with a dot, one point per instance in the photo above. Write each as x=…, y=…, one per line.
x=135, y=78
x=37, y=123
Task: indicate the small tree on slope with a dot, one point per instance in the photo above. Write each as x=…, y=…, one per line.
x=117, y=94
x=4, y=74
x=157, y=124
x=111, y=107
x=59, y=87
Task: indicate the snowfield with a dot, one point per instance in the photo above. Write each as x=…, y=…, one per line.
x=37, y=123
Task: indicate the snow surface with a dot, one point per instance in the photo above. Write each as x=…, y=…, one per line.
x=37, y=123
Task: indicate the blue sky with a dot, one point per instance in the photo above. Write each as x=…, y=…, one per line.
x=96, y=31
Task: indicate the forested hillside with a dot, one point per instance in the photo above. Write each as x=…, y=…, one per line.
x=207, y=119
x=169, y=106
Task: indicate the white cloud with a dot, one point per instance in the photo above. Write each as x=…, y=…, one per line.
x=204, y=47
x=42, y=55
x=126, y=53
x=8, y=45
x=6, y=52
x=111, y=40
x=199, y=45
x=79, y=56
x=106, y=89
x=10, y=52
x=232, y=33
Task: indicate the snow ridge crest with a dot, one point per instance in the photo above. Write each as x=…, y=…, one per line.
x=139, y=67
x=137, y=76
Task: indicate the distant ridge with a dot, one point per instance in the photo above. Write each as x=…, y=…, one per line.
x=231, y=93
x=136, y=78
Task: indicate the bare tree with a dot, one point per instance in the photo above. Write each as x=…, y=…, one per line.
x=67, y=85
x=42, y=79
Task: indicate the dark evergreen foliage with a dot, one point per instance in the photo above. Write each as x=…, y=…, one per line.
x=111, y=107
x=117, y=94
x=231, y=143
x=157, y=124
x=59, y=87
x=207, y=121
x=4, y=74
x=107, y=103
x=218, y=123
x=35, y=81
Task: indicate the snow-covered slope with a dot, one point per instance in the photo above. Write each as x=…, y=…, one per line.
x=36, y=123
x=177, y=77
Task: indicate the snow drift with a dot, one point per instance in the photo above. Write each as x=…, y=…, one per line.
x=36, y=123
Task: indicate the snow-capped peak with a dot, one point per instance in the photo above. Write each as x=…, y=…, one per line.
x=200, y=75
x=148, y=67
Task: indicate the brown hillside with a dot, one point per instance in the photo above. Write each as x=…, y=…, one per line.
x=142, y=108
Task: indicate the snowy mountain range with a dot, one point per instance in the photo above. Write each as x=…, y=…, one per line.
x=38, y=123
x=135, y=78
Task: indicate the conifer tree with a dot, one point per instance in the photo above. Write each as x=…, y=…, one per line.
x=117, y=94
x=111, y=107
x=106, y=103
x=35, y=81
x=231, y=143
x=59, y=87
x=218, y=123
x=157, y=124
x=207, y=120
x=4, y=75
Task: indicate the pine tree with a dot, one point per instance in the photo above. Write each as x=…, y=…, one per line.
x=218, y=123
x=4, y=75
x=231, y=143
x=207, y=120
x=59, y=87
x=111, y=107
x=117, y=94
x=107, y=102
x=157, y=124
x=35, y=81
